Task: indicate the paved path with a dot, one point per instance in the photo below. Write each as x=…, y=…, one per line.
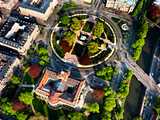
x=27, y=86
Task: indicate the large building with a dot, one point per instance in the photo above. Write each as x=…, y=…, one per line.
x=7, y=64
x=60, y=89
x=8, y=4
x=40, y=9
x=18, y=34
x=122, y=5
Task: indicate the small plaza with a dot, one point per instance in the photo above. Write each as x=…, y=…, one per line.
x=89, y=39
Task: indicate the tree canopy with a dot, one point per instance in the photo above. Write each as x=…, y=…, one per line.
x=7, y=108
x=70, y=37
x=141, y=36
x=26, y=97
x=92, y=107
x=76, y=116
x=38, y=117
x=138, y=8
x=15, y=80
x=92, y=47
x=65, y=20
x=21, y=116
x=105, y=73
x=76, y=24
x=98, y=29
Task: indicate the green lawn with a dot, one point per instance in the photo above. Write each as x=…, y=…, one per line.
x=88, y=27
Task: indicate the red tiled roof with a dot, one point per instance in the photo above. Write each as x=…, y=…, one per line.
x=55, y=97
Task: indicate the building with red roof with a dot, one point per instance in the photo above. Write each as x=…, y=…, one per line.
x=60, y=89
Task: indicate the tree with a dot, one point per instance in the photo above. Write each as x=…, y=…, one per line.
x=108, y=91
x=106, y=73
x=38, y=117
x=138, y=8
x=21, y=116
x=128, y=75
x=70, y=37
x=65, y=20
x=138, y=43
x=109, y=100
x=7, y=108
x=124, y=85
x=76, y=24
x=98, y=29
x=15, y=80
x=106, y=116
x=138, y=118
x=101, y=73
x=109, y=104
x=137, y=53
x=42, y=51
x=92, y=47
x=123, y=90
x=92, y=107
x=76, y=116
x=143, y=28
x=119, y=113
x=141, y=35
x=26, y=98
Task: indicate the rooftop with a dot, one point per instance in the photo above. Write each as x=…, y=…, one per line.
x=15, y=32
x=37, y=5
x=60, y=88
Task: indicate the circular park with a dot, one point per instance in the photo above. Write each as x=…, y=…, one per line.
x=84, y=40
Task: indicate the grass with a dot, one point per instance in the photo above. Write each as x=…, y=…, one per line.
x=88, y=27
x=108, y=33
x=82, y=17
x=57, y=47
x=115, y=19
